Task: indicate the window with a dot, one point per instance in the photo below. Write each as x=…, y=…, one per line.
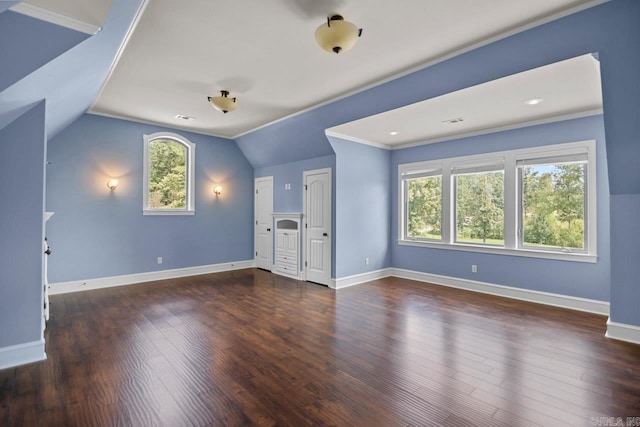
x=537, y=202
x=424, y=205
x=553, y=200
x=168, y=175
x=479, y=202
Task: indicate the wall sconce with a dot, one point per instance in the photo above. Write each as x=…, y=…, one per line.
x=217, y=190
x=112, y=184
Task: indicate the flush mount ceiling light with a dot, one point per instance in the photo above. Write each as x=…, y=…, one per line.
x=223, y=102
x=337, y=35
x=534, y=101
x=393, y=133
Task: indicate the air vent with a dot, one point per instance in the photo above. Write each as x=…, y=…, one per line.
x=182, y=117
x=452, y=121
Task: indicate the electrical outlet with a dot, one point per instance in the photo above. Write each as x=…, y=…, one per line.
x=159, y=260
x=474, y=268
x=366, y=261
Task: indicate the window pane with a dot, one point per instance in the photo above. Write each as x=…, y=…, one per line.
x=167, y=174
x=480, y=208
x=553, y=205
x=424, y=196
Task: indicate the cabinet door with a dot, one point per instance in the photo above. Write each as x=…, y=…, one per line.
x=281, y=242
x=291, y=245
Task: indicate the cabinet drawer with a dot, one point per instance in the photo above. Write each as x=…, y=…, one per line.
x=286, y=259
x=287, y=269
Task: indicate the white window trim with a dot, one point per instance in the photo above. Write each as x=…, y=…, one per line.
x=511, y=195
x=191, y=155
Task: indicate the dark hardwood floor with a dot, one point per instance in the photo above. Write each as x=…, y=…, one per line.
x=252, y=348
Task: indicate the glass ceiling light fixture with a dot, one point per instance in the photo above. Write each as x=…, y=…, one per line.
x=223, y=102
x=337, y=35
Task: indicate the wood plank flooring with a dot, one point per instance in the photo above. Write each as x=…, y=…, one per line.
x=251, y=348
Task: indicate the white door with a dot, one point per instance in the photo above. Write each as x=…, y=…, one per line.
x=264, y=222
x=317, y=210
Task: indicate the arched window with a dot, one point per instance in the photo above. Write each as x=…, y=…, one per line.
x=168, y=175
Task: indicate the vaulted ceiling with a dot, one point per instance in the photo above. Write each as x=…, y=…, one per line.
x=265, y=54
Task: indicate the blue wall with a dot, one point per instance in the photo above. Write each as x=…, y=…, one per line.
x=625, y=235
x=22, y=150
x=99, y=233
x=70, y=82
x=291, y=201
x=33, y=44
x=578, y=279
x=610, y=29
x=363, y=207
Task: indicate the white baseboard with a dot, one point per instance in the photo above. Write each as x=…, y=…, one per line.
x=623, y=332
x=356, y=279
x=557, y=300
x=21, y=354
x=130, y=279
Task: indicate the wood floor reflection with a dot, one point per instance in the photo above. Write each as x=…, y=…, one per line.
x=252, y=348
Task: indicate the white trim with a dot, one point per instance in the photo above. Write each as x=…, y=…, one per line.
x=437, y=60
x=356, y=279
x=55, y=18
x=486, y=131
x=547, y=298
x=118, y=55
x=130, y=279
x=329, y=132
x=575, y=257
x=623, y=332
x=157, y=124
x=167, y=212
x=496, y=129
x=21, y=354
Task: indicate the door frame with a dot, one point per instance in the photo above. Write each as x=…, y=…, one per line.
x=255, y=221
x=306, y=173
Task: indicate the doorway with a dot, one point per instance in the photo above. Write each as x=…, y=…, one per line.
x=317, y=216
x=263, y=214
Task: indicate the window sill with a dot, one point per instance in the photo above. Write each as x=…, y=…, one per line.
x=575, y=257
x=167, y=212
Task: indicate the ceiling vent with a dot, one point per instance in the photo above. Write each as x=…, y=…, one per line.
x=452, y=121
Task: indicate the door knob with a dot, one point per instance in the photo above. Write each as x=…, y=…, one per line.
x=325, y=234
x=268, y=229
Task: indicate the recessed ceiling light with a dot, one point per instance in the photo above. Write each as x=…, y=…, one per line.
x=183, y=117
x=394, y=133
x=534, y=101
x=454, y=120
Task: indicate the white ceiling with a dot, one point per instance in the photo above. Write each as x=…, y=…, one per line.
x=570, y=87
x=264, y=52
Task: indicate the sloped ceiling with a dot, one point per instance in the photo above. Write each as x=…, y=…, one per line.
x=32, y=44
x=92, y=12
x=264, y=52
x=71, y=81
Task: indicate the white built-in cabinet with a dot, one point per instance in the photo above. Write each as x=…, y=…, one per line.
x=287, y=254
